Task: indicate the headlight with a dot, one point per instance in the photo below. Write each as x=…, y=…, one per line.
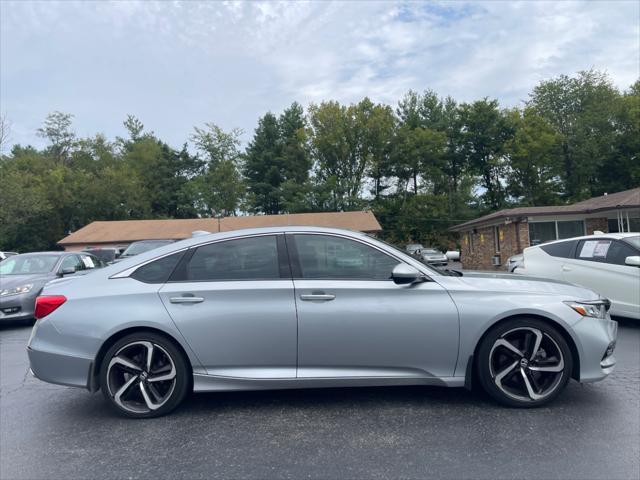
x=591, y=308
x=16, y=290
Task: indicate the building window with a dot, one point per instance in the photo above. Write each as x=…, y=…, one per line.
x=470, y=242
x=496, y=238
x=541, y=232
x=633, y=224
x=570, y=229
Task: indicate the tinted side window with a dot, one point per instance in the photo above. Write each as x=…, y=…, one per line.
x=72, y=261
x=90, y=262
x=252, y=258
x=618, y=252
x=560, y=249
x=159, y=270
x=324, y=257
x=593, y=250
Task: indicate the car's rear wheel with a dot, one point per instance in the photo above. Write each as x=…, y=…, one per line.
x=524, y=362
x=144, y=375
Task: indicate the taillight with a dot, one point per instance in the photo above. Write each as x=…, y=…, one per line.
x=47, y=304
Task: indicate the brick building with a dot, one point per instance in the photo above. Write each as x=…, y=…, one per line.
x=487, y=242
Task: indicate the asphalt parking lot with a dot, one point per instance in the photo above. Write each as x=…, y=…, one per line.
x=591, y=431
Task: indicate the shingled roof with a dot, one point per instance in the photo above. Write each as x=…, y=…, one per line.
x=124, y=231
x=612, y=201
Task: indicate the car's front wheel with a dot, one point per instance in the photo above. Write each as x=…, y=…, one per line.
x=524, y=362
x=144, y=375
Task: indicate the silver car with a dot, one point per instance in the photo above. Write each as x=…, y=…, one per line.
x=22, y=277
x=295, y=307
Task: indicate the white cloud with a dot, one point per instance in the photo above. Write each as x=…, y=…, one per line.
x=180, y=64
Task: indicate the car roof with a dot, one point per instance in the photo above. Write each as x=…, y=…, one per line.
x=57, y=253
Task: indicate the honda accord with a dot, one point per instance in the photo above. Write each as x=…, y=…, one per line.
x=294, y=307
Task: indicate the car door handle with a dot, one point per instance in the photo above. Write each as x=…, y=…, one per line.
x=566, y=269
x=186, y=299
x=317, y=297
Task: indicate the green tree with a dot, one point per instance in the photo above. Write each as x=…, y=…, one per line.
x=57, y=129
x=534, y=166
x=263, y=166
x=580, y=108
x=484, y=134
x=220, y=187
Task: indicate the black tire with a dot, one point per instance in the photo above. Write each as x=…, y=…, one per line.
x=525, y=385
x=164, y=396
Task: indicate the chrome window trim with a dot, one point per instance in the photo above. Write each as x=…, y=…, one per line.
x=129, y=271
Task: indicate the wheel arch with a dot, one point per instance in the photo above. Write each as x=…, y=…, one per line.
x=471, y=365
x=94, y=383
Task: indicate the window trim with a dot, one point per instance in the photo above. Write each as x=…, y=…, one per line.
x=296, y=268
x=184, y=262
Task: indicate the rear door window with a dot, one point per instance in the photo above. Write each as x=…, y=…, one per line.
x=251, y=258
x=595, y=250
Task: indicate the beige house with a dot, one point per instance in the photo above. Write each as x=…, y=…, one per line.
x=487, y=242
x=121, y=233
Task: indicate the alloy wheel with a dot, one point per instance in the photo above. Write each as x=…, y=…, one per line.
x=141, y=377
x=526, y=364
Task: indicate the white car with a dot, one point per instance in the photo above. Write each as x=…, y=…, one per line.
x=606, y=263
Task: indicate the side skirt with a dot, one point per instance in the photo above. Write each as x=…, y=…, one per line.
x=211, y=383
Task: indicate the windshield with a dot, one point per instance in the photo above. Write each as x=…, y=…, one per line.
x=28, y=264
x=635, y=241
x=140, y=247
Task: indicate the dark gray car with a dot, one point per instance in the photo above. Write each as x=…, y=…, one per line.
x=22, y=278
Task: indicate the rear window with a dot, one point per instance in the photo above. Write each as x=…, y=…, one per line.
x=159, y=270
x=560, y=249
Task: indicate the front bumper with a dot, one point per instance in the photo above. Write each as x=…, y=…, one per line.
x=597, y=342
x=17, y=307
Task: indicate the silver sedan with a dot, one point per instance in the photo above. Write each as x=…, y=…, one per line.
x=296, y=307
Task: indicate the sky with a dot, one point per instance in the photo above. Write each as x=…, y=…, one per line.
x=176, y=65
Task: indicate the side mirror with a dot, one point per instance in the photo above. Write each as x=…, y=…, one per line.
x=67, y=271
x=634, y=261
x=404, y=274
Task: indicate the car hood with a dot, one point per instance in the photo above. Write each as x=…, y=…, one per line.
x=506, y=282
x=11, y=281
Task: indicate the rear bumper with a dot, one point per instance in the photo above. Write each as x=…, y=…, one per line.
x=60, y=369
